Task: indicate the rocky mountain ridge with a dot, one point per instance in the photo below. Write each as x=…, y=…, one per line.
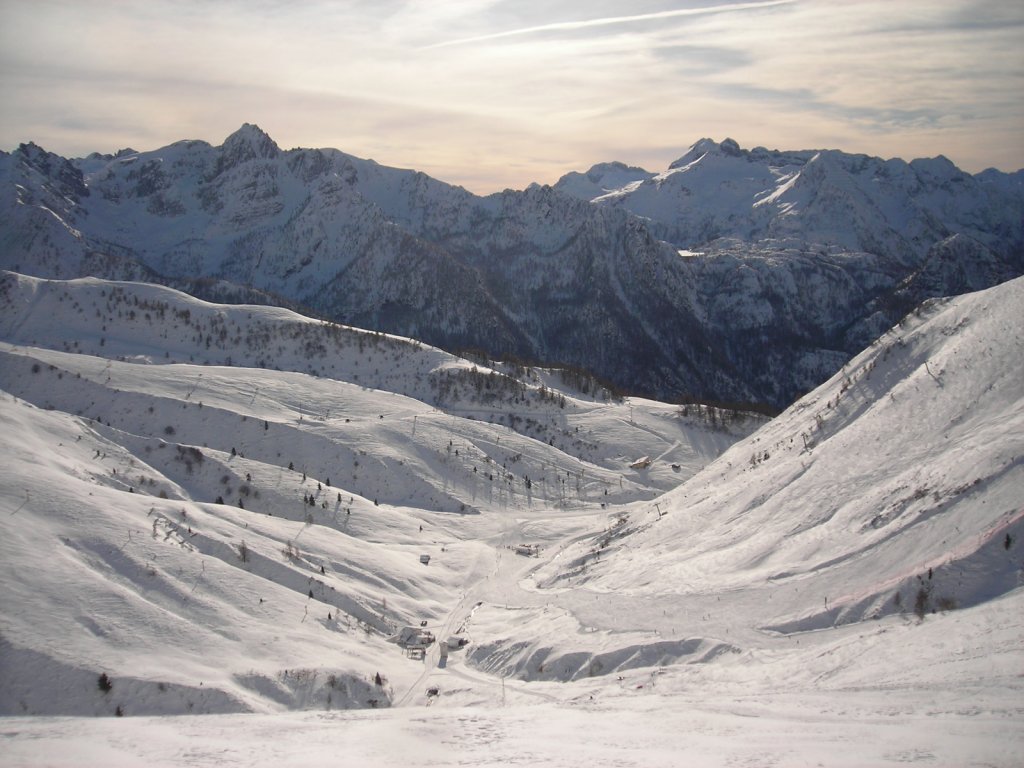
x=734, y=275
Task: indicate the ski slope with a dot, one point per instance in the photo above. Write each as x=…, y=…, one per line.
x=734, y=602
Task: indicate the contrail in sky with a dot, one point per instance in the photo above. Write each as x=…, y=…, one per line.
x=613, y=20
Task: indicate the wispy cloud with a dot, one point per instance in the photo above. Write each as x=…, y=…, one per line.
x=569, y=26
x=515, y=91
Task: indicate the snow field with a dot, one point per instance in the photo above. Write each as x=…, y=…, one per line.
x=736, y=602
x=216, y=505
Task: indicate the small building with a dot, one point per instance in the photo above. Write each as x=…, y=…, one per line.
x=412, y=637
x=425, y=559
x=456, y=643
x=527, y=550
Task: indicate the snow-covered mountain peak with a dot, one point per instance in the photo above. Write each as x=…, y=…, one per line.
x=601, y=170
x=51, y=168
x=249, y=142
x=726, y=148
x=601, y=179
x=730, y=147
x=32, y=153
x=938, y=169
x=696, y=151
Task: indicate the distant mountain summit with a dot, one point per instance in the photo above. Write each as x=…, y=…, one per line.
x=602, y=179
x=250, y=142
x=822, y=197
x=743, y=275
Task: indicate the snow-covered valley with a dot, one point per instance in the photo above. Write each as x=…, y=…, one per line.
x=215, y=520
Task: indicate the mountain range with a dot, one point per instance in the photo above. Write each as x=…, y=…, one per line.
x=735, y=275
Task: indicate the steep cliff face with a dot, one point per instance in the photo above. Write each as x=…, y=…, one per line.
x=734, y=275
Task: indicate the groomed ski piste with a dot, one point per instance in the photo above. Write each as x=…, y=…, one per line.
x=239, y=528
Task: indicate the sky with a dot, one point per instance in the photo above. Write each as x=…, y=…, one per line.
x=492, y=94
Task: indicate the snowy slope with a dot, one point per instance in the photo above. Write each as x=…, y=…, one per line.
x=859, y=487
x=891, y=492
x=189, y=512
x=755, y=597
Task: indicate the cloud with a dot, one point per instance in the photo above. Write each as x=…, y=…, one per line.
x=612, y=21
x=514, y=92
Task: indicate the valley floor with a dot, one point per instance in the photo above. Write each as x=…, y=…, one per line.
x=854, y=728
x=891, y=692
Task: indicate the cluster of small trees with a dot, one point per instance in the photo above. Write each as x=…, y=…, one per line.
x=586, y=382
x=455, y=385
x=924, y=601
x=190, y=455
